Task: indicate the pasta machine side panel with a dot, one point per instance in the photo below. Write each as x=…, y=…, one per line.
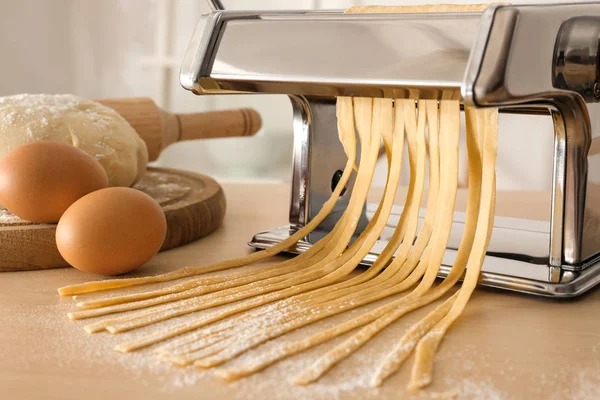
x=318, y=161
x=518, y=68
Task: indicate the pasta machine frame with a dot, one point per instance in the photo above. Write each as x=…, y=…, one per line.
x=524, y=59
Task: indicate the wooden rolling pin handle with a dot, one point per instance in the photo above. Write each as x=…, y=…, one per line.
x=219, y=124
x=160, y=128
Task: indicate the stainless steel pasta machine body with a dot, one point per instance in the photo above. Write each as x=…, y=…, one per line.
x=528, y=59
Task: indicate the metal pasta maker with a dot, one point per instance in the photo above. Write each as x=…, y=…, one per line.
x=535, y=59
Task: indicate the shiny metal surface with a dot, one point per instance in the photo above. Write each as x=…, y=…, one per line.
x=331, y=54
x=302, y=125
x=518, y=67
x=316, y=159
x=558, y=192
x=216, y=5
x=522, y=59
x=576, y=57
x=509, y=271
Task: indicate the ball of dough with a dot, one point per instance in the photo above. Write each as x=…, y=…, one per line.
x=88, y=125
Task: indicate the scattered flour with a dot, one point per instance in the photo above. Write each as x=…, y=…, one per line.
x=159, y=187
x=470, y=389
x=65, y=345
x=581, y=383
x=6, y=217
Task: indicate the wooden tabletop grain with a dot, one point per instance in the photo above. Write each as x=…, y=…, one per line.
x=505, y=345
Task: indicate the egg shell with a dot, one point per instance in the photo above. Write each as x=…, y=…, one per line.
x=40, y=180
x=111, y=231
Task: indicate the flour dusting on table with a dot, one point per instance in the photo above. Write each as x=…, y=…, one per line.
x=163, y=188
x=6, y=217
x=66, y=345
x=474, y=374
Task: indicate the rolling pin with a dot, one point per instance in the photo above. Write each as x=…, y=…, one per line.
x=159, y=128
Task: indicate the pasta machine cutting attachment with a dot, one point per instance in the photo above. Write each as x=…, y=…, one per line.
x=535, y=59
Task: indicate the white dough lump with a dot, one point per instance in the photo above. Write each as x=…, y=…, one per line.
x=96, y=129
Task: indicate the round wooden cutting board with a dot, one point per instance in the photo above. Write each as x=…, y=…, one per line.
x=194, y=206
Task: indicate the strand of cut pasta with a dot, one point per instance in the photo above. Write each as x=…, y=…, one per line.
x=322, y=255
x=213, y=360
x=196, y=287
x=421, y=376
x=193, y=293
x=187, y=285
x=348, y=224
x=191, y=340
x=293, y=294
x=422, y=369
x=166, y=299
x=327, y=362
x=364, y=110
x=431, y=109
x=356, y=341
x=401, y=267
x=449, y=132
x=92, y=313
x=269, y=360
x=331, y=292
x=355, y=290
x=413, y=106
x=313, y=316
x=411, y=337
x=332, y=358
x=402, y=350
x=286, y=306
x=407, y=265
x=388, y=199
x=333, y=270
x=199, y=288
x=346, y=135
x=323, y=252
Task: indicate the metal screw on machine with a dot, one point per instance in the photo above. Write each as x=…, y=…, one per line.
x=337, y=175
x=577, y=56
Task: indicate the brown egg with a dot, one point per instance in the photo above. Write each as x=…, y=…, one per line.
x=40, y=180
x=111, y=231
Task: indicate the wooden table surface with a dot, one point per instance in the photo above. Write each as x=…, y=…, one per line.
x=505, y=346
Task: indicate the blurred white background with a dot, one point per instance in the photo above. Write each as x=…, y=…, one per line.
x=114, y=48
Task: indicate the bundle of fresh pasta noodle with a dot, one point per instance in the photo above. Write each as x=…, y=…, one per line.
x=266, y=302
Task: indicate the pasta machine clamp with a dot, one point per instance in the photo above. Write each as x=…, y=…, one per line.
x=537, y=59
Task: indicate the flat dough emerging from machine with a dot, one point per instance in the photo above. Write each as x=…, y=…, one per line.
x=269, y=301
x=426, y=8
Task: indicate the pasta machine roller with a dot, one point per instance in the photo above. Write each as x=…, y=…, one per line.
x=539, y=59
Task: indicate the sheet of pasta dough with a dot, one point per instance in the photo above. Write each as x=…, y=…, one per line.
x=415, y=9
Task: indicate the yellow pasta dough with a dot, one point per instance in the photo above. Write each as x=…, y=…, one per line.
x=264, y=303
